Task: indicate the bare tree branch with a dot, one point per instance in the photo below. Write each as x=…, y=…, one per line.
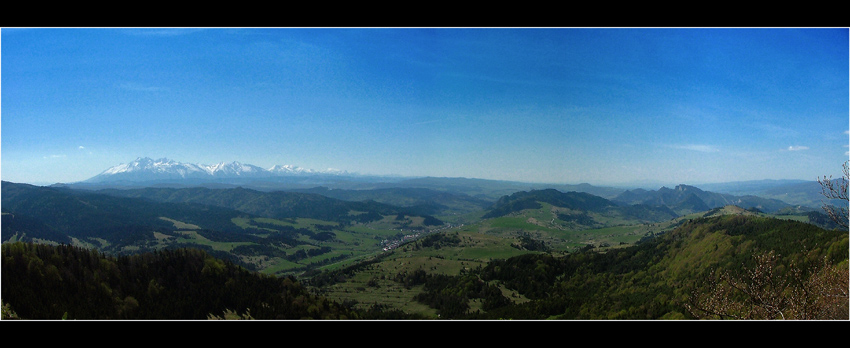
x=836, y=189
x=763, y=292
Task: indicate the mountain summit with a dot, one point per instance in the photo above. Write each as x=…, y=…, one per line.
x=146, y=169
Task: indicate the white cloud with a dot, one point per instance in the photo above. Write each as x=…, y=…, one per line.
x=82, y=147
x=797, y=148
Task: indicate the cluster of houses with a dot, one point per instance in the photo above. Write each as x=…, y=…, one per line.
x=390, y=244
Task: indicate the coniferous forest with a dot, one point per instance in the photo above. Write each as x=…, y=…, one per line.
x=72, y=282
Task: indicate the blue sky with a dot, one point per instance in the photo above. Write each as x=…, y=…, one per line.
x=603, y=106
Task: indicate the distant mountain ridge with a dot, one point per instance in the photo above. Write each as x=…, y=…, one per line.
x=146, y=169
x=685, y=199
x=767, y=195
x=577, y=201
x=125, y=217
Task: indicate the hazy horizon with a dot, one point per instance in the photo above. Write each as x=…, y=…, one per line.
x=609, y=107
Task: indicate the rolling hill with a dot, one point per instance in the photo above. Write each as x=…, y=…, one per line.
x=274, y=232
x=421, y=200
x=578, y=203
x=685, y=199
x=275, y=204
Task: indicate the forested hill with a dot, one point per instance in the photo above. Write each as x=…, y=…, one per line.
x=578, y=201
x=420, y=200
x=58, y=212
x=276, y=204
x=56, y=282
x=686, y=199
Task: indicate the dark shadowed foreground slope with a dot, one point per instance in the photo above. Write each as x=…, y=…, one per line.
x=55, y=282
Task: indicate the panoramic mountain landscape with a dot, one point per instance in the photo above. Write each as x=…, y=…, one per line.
x=397, y=250
x=425, y=174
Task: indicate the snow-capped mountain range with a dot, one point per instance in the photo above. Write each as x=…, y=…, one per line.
x=147, y=169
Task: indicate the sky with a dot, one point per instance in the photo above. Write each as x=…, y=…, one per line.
x=606, y=106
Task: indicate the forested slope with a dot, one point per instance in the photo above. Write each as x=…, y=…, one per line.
x=54, y=282
x=679, y=275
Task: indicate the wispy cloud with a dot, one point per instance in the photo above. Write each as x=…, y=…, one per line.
x=797, y=148
x=697, y=147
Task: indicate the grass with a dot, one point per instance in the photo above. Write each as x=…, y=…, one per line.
x=180, y=225
x=375, y=285
x=356, y=241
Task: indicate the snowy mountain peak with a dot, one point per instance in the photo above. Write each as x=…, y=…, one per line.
x=235, y=169
x=289, y=169
x=147, y=169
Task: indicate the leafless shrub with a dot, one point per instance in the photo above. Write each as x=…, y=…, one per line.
x=764, y=293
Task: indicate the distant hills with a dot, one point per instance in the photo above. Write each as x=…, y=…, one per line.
x=794, y=192
x=421, y=200
x=59, y=215
x=661, y=204
x=685, y=199
x=164, y=172
x=578, y=201
x=276, y=204
x=138, y=219
x=571, y=211
x=466, y=193
x=285, y=191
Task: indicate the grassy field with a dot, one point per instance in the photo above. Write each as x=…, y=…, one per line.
x=542, y=224
x=347, y=244
x=375, y=285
